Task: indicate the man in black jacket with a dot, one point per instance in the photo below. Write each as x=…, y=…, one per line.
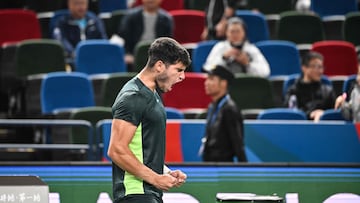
x=224, y=135
x=311, y=95
x=144, y=23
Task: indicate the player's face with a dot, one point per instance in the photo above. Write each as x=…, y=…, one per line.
x=170, y=75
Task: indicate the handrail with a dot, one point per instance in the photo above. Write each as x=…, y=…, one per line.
x=90, y=147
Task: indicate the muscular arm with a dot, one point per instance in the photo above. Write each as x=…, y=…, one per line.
x=122, y=133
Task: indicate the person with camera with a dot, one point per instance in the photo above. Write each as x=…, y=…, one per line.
x=237, y=53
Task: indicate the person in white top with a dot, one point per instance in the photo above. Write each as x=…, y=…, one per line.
x=237, y=53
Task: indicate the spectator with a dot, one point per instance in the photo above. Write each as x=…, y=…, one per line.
x=217, y=12
x=144, y=23
x=237, y=53
x=224, y=134
x=312, y=96
x=80, y=24
x=351, y=109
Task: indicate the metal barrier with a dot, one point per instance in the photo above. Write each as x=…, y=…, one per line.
x=90, y=147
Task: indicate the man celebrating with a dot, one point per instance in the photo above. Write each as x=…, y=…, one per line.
x=137, y=143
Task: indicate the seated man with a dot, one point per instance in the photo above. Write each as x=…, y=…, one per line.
x=144, y=23
x=312, y=96
x=78, y=25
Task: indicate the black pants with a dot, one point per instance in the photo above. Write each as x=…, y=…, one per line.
x=140, y=199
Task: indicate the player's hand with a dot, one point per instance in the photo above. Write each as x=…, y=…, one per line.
x=180, y=176
x=165, y=182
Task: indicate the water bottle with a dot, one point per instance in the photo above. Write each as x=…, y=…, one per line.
x=293, y=102
x=57, y=34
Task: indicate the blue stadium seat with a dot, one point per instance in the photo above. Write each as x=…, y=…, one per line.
x=62, y=91
x=257, y=28
x=333, y=7
x=349, y=84
x=282, y=56
x=103, y=130
x=332, y=114
x=282, y=114
x=200, y=54
x=112, y=5
x=173, y=113
x=99, y=56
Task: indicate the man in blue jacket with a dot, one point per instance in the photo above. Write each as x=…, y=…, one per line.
x=77, y=25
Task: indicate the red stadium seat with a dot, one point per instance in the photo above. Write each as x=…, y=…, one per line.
x=339, y=57
x=167, y=5
x=188, y=25
x=188, y=94
x=17, y=25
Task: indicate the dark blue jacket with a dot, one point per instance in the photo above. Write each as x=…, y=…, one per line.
x=70, y=34
x=132, y=27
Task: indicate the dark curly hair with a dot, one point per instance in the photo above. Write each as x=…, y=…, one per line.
x=168, y=51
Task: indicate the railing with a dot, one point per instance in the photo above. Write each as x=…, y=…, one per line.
x=90, y=147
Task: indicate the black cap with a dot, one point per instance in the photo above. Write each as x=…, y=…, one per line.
x=222, y=72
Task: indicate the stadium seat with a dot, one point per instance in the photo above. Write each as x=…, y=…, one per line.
x=339, y=57
x=42, y=6
x=270, y=7
x=39, y=56
x=188, y=94
x=64, y=91
x=17, y=25
x=99, y=56
x=173, y=113
x=200, y=54
x=257, y=28
x=103, y=130
x=112, y=85
x=334, y=7
x=200, y=5
x=112, y=21
x=282, y=114
x=112, y=5
x=10, y=83
x=188, y=25
x=141, y=55
x=167, y=5
x=333, y=27
x=348, y=85
x=79, y=135
x=300, y=28
x=282, y=56
x=351, y=29
x=257, y=91
x=331, y=114
x=32, y=58
x=284, y=60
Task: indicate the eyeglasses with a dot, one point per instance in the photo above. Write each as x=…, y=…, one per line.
x=316, y=66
